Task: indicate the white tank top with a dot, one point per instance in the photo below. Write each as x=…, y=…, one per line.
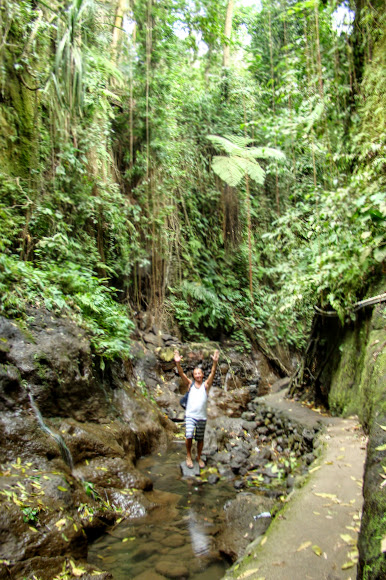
x=196, y=407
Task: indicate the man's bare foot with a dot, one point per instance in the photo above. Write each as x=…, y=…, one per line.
x=201, y=464
x=189, y=462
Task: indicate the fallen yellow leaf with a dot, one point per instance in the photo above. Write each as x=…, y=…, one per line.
x=303, y=546
x=77, y=571
x=381, y=447
x=318, y=551
x=247, y=574
x=348, y=539
x=61, y=523
x=353, y=554
x=348, y=565
x=326, y=495
x=315, y=468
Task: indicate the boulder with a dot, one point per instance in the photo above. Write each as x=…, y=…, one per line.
x=151, y=338
x=239, y=515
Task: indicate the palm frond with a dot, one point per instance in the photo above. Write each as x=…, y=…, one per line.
x=240, y=141
x=251, y=167
x=226, y=145
x=228, y=170
x=265, y=153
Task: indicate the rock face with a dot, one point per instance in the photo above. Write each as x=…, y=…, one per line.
x=70, y=434
x=69, y=439
x=348, y=366
x=372, y=554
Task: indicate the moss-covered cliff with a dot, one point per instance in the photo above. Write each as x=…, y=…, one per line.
x=345, y=368
x=359, y=378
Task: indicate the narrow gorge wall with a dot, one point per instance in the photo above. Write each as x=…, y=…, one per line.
x=345, y=368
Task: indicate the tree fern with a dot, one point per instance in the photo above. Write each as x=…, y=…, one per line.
x=231, y=173
x=241, y=160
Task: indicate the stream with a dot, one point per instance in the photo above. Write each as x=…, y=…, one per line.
x=175, y=538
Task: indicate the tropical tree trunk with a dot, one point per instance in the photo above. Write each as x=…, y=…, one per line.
x=277, y=194
x=118, y=21
x=228, y=34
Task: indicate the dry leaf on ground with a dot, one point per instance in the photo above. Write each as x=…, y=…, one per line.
x=317, y=550
x=247, y=574
x=348, y=539
x=349, y=564
x=303, y=546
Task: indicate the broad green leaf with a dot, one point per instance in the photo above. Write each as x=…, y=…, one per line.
x=380, y=254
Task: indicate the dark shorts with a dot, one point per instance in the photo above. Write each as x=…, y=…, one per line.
x=194, y=428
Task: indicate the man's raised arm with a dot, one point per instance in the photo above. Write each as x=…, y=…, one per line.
x=209, y=380
x=177, y=360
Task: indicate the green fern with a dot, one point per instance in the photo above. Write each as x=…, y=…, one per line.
x=241, y=159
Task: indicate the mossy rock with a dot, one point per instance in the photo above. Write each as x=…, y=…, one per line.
x=344, y=394
x=372, y=560
x=166, y=354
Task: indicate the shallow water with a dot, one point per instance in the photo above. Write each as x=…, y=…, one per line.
x=177, y=535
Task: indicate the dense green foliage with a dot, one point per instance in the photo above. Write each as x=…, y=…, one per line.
x=109, y=204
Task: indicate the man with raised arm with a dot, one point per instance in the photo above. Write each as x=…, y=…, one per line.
x=195, y=414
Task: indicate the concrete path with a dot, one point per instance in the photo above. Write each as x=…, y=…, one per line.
x=315, y=536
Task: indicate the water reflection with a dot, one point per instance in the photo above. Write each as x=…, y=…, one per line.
x=199, y=539
x=177, y=536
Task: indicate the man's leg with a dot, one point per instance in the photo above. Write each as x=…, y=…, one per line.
x=189, y=460
x=200, y=430
x=189, y=433
x=200, y=445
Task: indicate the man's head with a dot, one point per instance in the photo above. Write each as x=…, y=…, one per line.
x=198, y=375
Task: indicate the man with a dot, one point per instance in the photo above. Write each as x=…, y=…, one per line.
x=195, y=414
